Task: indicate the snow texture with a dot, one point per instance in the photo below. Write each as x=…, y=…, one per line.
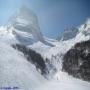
x=16, y=71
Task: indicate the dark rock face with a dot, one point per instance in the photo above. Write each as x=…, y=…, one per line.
x=77, y=61
x=32, y=57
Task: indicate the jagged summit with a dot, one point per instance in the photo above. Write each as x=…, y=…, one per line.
x=25, y=16
x=22, y=67
x=25, y=20
x=69, y=33
x=76, y=32
x=23, y=26
x=88, y=21
x=85, y=25
x=84, y=31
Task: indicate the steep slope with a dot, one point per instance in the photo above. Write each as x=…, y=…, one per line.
x=7, y=36
x=25, y=20
x=56, y=54
x=68, y=34
x=18, y=65
x=84, y=32
x=23, y=28
x=78, y=32
x=77, y=61
x=16, y=71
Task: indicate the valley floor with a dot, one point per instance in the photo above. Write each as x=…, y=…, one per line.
x=65, y=83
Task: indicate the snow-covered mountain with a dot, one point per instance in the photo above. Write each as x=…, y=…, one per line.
x=25, y=20
x=69, y=34
x=23, y=25
x=74, y=32
x=77, y=60
x=15, y=71
x=29, y=62
x=56, y=54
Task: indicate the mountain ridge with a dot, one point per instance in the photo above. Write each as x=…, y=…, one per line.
x=22, y=43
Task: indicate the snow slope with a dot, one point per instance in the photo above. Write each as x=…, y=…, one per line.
x=55, y=54
x=16, y=71
x=65, y=83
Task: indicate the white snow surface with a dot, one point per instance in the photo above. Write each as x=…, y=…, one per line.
x=65, y=82
x=16, y=71
x=55, y=54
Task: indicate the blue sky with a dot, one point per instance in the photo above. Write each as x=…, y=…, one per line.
x=54, y=15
